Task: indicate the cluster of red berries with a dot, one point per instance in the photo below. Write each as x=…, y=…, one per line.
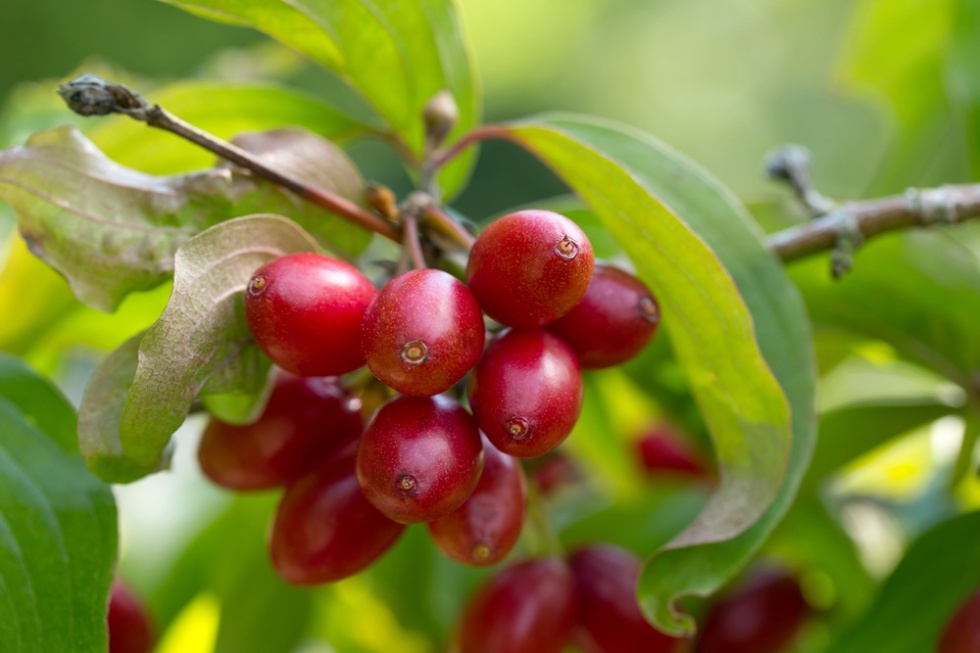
x=423, y=457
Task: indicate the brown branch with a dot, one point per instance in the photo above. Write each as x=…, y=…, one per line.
x=89, y=95
x=916, y=208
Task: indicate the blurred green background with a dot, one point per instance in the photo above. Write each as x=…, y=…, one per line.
x=882, y=92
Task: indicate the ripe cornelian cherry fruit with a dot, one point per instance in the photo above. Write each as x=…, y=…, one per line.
x=527, y=608
x=526, y=392
x=609, y=619
x=305, y=312
x=664, y=451
x=325, y=529
x=485, y=528
x=130, y=630
x=962, y=633
x=305, y=418
x=529, y=268
x=762, y=616
x=615, y=320
x=419, y=458
x=423, y=332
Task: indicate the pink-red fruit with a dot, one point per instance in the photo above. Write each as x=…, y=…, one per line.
x=664, y=451
x=527, y=608
x=305, y=312
x=762, y=616
x=129, y=625
x=485, y=528
x=420, y=458
x=962, y=633
x=609, y=619
x=304, y=419
x=423, y=332
x=526, y=393
x=529, y=268
x=615, y=320
x=325, y=529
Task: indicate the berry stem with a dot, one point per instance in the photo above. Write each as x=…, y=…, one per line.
x=543, y=538
x=437, y=219
x=89, y=95
x=410, y=240
x=440, y=159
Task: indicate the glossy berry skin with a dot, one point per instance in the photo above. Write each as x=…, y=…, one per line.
x=129, y=625
x=304, y=419
x=663, y=451
x=763, y=616
x=615, y=320
x=962, y=633
x=529, y=268
x=305, y=312
x=609, y=619
x=485, y=528
x=420, y=458
x=325, y=529
x=526, y=392
x=527, y=608
x=423, y=332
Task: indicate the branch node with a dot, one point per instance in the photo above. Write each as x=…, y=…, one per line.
x=847, y=242
x=791, y=164
x=933, y=206
x=89, y=95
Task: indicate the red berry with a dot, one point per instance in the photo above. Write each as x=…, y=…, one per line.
x=662, y=450
x=420, y=458
x=526, y=392
x=609, y=619
x=615, y=320
x=129, y=625
x=485, y=528
x=529, y=268
x=761, y=617
x=554, y=471
x=528, y=608
x=962, y=633
x=325, y=529
x=305, y=312
x=423, y=332
x=304, y=419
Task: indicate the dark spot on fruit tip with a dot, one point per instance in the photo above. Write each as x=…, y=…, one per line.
x=256, y=285
x=407, y=484
x=648, y=309
x=566, y=249
x=415, y=352
x=518, y=428
x=482, y=551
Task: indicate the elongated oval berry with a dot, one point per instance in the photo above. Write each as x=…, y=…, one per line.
x=485, y=528
x=305, y=312
x=529, y=268
x=527, y=608
x=609, y=619
x=662, y=450
x=304, y=419
x=615, y=320
x=420, y=458
x=423, y=332
x=760, y=617
x=325, y=529
x=128, y=623
x=962, y=633
x=526, y=392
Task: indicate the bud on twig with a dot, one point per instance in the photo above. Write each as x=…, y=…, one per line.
x=441, y=115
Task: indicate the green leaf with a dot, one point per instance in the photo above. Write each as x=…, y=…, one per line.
x=57, y=527
x=200, y=345
x=917, y=291
x=963, y=72
x=224, y=110
x=647, y=196
x=111, y=230
x=39, y=402
x=397, y=53
x=937, y=573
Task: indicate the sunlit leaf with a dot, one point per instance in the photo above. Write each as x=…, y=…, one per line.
x=398, y=54
x=111, y=230
x=939, y=571
x=200, y=345
x=57, y=525
x=647, y=197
